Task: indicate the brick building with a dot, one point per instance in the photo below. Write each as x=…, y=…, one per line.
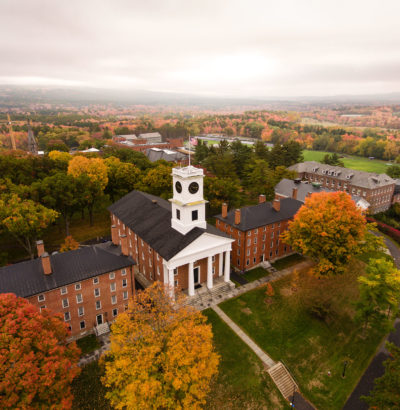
x=377, y=189
x=171, y=240
x=88, y=286
x=256, y=230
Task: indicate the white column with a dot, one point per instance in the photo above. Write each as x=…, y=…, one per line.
x=171, y=281
x=221, y=263
x=191, y=279
x=165, y=272
x=209, y=273
x=227, y=266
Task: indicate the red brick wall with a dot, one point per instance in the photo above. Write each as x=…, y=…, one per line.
x=265, y=245
x=54, y=300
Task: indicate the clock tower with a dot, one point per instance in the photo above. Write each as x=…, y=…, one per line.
x=188, y=205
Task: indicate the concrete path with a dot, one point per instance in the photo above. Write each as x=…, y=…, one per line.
x=253, y=346
x=238, y=278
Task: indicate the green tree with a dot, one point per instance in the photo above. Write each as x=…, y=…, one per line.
x=379, y=291
x=158, y=181
x=261, y=151
x=221, y=164
x=242, y=155
x=218, y=190
x=260, y=179
x=386, y=391
x=393, y=171
x=25, y=220
x=201, y=152
x=332, y=160
x=285, y=155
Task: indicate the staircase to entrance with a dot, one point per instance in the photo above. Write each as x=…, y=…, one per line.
x=283, y=380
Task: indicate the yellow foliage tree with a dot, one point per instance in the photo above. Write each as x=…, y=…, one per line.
x=161, y=355
x=70, y=244
x=60, y=156
x=94, y=168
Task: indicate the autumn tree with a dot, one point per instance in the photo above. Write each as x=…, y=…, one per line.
x=70, y=244
x=24, y=219
x=386, y=391
x=379, y=291
x=158, y=181
x=218, y=190
x=328, y=228
x=122, y=177
x=161, y=354
x=93, y=172
x=36, y=364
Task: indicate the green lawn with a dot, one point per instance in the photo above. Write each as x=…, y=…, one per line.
x=352, y=162
x=284, y=326
x=288, y=261
x=88, y=344
x=241, y=383
x=255, y=274
x=88, y=390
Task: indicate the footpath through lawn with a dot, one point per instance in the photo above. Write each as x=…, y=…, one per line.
x=308, y=324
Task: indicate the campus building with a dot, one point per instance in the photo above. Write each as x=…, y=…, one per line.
x=171, y=240
x=88, y=286
x=376, y=189
x=256, y=230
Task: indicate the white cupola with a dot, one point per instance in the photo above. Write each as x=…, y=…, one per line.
x=188, y=205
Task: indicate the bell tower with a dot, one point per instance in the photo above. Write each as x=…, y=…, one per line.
x=188, y=204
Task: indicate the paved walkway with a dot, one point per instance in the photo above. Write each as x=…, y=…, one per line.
x=238, y=278
x=253, y=346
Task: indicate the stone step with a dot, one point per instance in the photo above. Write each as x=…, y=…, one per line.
x=283, y=380
x=102, y=329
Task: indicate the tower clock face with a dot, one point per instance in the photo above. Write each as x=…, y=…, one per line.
x=193, y=187
x=178, y=187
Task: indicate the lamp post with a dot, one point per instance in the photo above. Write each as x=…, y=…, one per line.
x=344, y=368
x=294, y=391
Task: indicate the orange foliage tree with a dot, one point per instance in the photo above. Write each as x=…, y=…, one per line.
x=70, y=244
x=36, y=365
x=328, y=228
x=161, y=355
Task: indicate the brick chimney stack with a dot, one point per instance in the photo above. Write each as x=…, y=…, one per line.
x=45, y=257
x=224, y=210
x=276, y=204
x=114, y=235
x=237, y=216
x=261, y=199
x=40, y=248
x=294, y=193
x=124, y=245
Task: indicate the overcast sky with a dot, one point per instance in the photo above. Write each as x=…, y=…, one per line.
x=230, y=48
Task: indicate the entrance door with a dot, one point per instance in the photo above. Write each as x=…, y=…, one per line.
x=99, y=319
x=196, y=275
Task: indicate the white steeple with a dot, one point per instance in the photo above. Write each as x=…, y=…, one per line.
x=188, y=204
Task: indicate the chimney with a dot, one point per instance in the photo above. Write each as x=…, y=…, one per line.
x=276, y=205
x=237, y=216
x=261, y=199
x=124, y=245
x=294, y=193
x=224, y=210
x=114, y=235
x=46, y=263
x=40, y=248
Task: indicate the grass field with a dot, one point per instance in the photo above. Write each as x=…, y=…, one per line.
x=284, y=327
x=352, y=162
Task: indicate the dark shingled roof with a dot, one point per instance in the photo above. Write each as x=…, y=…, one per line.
x=150, y=218
x=27, y=278
x=262, y=214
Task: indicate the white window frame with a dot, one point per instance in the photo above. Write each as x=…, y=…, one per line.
x=63, y=305
x=81, y=309
x=123, y=272
x=125, y=295
x=98, y=304
x=96, y=280
x=77, y=300
x=67, y=316
x=80, y=325
x=124, y=283
x=115, y=310
x=94, y=292
x=41, y=298
x=78, y=286
x=113, y=287
x=64, y=290
x=113, y=299
x=111, y=275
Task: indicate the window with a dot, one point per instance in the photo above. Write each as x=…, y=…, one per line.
x=98, y=304
x=79, y=298
x=195, y=215
x=248, y=252
x=239, y=242
x=77, y=286
x=264, y=228
x=158, y=257
x=64, y=290
x=115, y=312
x=255, y=230
x=238, y=262
x=248, y=262
x=42, y=307
x=158, y=270
x=65, y=303
x=270, y=254
x=97, y=292
x=142, y=256
x=178, y=214
x=248, y=233
x=254, y=260
x=175, y=271
x=213, y=270
x=248, y=242
x=255, y=240
x=238, y=251
x=95, y=281
x=276, y=252
x=150, y=263
x=263, y=247
x=82, y=324
x=125, y=295
x=81, y=311
x=176, y=283
x=272, y=234
x=272, y=244
x=264, y=237
x=113, y=299
x=67, y=316
x=213, y=258
x=41, y=298
x=112, y=287
x=255, y=249
x=112, y=275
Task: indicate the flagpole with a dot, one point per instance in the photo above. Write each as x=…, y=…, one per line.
x=189, y=152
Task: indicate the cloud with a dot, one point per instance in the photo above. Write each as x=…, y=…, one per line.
x=234, y=48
